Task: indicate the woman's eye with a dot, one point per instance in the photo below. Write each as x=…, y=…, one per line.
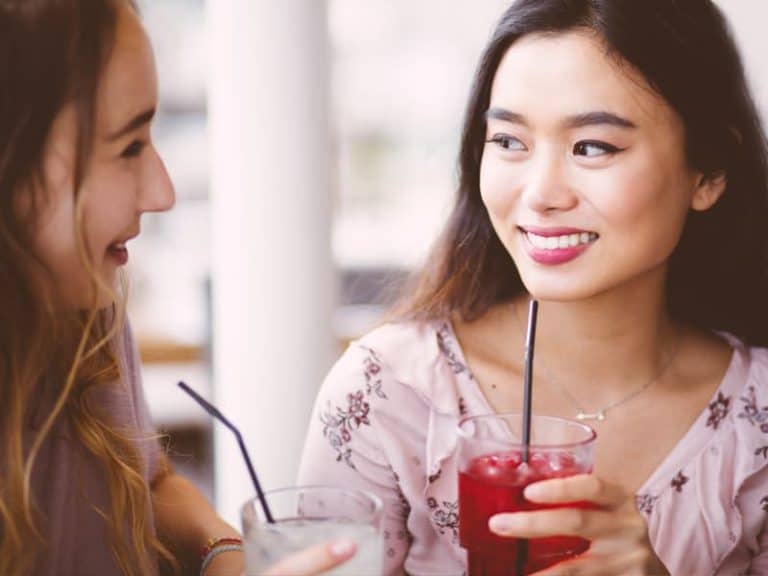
x=133, y=150
x=507, y=142
x=593, y=148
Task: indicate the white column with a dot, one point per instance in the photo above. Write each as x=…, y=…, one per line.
x=272, y=268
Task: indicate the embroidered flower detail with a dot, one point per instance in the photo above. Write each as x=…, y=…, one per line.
x=718, y=410
x=445, y=516
x=339, y=423
x=435, y=476
x=446, y=346
x=752, y=413
x=405, y=506
x=762, y=451
x=405, y=535
x=462, y=406
x=358, y=409
x=645, y=503
x=679, y=481
x=372, y=371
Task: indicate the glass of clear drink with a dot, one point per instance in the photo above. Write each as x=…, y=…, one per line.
x=309, y=515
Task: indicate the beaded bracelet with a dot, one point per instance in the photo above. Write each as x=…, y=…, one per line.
x=216, y=551
x=216, y=546
x=213, y=542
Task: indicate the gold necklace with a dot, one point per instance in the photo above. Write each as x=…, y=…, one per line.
x=600, y=414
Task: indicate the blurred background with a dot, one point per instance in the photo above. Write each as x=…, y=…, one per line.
x=313, y=147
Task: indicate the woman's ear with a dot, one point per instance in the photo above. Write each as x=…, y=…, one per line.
x=708, y=191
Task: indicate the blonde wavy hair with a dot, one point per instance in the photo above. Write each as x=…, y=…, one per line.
x=52, y=53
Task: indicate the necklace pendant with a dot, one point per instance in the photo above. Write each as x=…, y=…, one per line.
x=599, y=415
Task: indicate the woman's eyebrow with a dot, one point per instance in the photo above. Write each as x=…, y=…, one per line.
x=496, y=113
x=135, y=123
x=598, y=117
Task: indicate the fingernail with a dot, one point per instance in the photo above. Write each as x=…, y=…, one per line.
x=502, y=524
x=342, y=548
x=532, y=492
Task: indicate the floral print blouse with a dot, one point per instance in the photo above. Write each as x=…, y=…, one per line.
x=384, y=421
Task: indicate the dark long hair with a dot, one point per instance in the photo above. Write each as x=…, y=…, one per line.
x=53, y=54
x=684, y=49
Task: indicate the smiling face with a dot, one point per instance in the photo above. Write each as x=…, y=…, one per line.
x=125, y=177
x=584, y=173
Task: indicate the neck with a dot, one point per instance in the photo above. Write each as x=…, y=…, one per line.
x=604, y=347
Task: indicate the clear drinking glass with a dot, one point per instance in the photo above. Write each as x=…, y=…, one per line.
x=492, y=476
x=309, y=515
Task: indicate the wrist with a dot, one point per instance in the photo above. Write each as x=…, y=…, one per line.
x=217, y=546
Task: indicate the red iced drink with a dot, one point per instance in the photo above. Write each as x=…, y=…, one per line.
x=492, y=477
x=495, y=483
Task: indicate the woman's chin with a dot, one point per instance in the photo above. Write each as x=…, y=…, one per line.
x=559, y=290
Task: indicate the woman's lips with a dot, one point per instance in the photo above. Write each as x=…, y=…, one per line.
x=118, y=252
x=552, y=246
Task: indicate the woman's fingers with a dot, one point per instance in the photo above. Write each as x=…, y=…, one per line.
x=314, y=560
x=542, y=523
x=586, y=523
x=583, y=487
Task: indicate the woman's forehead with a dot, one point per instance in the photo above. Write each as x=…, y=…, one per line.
x=554, y=76
x=129, y=83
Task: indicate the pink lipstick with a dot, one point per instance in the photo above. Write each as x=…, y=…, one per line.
x=553, y=246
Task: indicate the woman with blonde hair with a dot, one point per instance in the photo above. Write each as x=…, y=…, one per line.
x=84, y=486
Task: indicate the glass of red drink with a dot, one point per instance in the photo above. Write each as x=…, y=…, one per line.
x=492, y=476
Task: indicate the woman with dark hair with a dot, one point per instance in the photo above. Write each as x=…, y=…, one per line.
x=84, y=486
x=613, y=167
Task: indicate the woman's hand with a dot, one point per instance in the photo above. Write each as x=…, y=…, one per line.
x=308, y=562
x=314, y=560
x=617, y=531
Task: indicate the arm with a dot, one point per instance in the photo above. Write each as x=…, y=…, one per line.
x=343, y=447
x=185, y=521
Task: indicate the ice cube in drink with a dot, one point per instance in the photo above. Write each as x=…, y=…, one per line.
x=494, y=483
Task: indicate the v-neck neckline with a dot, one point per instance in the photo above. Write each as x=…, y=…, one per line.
x=686, y=448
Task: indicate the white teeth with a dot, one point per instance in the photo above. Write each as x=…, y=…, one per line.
x=560, y=242
x=551, y=243
x=118, y=246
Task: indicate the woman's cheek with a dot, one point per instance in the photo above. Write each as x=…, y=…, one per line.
x=497, y=189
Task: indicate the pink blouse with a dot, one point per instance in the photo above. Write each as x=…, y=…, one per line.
x=385, y=417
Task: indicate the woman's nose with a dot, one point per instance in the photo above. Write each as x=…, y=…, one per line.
x=546, y=188
x=157, y=193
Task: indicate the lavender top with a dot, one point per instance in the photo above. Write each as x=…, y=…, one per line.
x=68, y=482
x=385, y=419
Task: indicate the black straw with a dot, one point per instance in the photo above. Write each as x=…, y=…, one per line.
x=213, y=411
x=530, y=339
